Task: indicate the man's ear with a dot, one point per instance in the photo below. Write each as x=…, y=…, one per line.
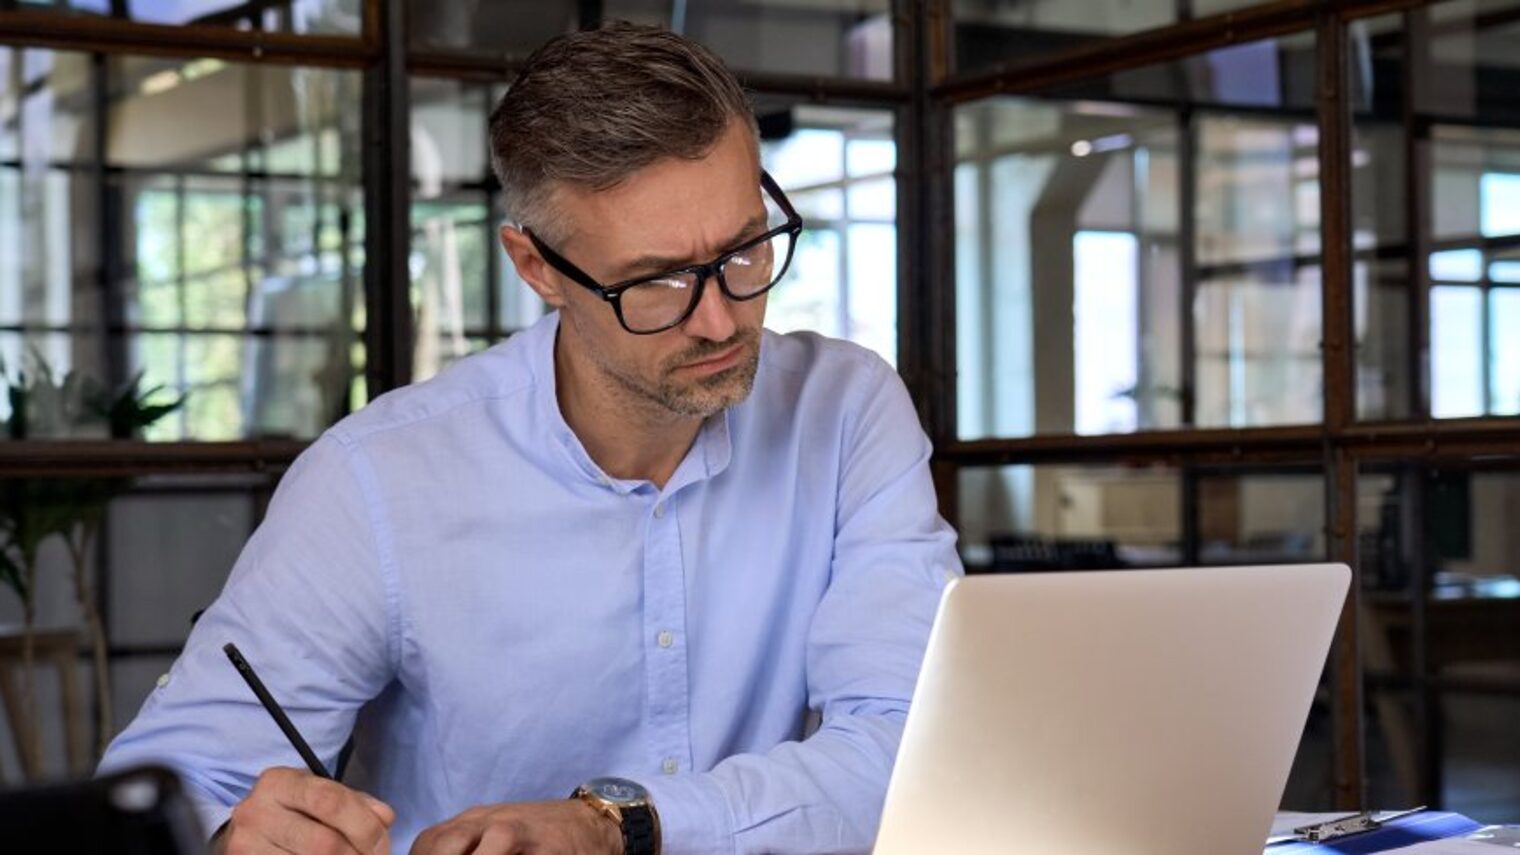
x=531, y=266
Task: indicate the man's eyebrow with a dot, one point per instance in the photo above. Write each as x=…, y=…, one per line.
x=657, y=263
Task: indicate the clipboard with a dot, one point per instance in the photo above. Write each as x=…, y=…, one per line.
x=1352, y=834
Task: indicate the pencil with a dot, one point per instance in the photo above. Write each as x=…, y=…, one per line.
x=274, y=710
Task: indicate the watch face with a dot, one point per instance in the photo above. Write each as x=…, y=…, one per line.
x=620, y=791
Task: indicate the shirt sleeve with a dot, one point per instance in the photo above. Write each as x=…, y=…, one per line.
x=893, y=556
x=309, y=606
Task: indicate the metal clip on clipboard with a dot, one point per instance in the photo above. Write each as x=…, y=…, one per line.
x=1347, y=826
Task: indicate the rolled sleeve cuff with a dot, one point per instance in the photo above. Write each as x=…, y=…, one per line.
x=694, y=816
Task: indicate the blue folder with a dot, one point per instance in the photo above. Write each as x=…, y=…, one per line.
x=1404, y=831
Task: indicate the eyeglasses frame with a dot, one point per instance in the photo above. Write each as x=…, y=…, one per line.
x=711, y=270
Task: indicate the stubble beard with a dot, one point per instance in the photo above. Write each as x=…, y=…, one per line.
x=699, y=397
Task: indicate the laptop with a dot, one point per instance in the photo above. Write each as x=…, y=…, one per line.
x=1104, y=712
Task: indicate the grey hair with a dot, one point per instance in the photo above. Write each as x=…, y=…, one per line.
x=593, y=107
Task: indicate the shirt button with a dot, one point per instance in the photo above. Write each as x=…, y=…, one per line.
x=659, y=511
x=670, y=766
x=163, y=680
x=665, y=638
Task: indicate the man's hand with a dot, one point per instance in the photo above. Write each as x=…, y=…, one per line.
x=291, y=810
x=564, y=827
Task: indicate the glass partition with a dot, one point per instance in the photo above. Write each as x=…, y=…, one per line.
x=990, y=32
x=1437, y=285
x=222, y=260
x=1186, y=198
x=312, y=17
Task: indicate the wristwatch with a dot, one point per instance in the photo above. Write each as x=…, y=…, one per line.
x=627, y=804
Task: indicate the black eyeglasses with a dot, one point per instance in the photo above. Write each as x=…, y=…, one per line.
x=651, y=304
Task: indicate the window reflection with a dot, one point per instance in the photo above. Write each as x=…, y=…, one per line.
x=1053, y=517
x=837, y=167
x=843, y=38
x=1468, y=171
x=992, y=31
x=289, y=16
x=465, y=293
x=231, y=247
x=1084, y=221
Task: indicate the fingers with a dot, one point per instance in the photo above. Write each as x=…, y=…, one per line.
x=541, y=828
x=386, y=813
x=351, y=814
x=455, y=837
x=299, y=812
x=263, y=826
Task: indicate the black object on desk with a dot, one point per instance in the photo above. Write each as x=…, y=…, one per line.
x=274, y=710
x=141, y=811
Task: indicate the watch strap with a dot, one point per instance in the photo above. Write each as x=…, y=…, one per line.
x=641, y=834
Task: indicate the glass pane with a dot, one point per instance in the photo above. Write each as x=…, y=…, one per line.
x=1464, y=133
x=1454, y=523
x=851, y=38
x=1258, y=348
x=1071, y=259
x=1456, y=265
x=1023, y=518
x=47, y=142
x=259, y=118
x=842, y=39
x=1504, y=351
x=835, y=164
x=465, y=292
x=449, y=139
x=510, y=29
x=1274, y=518
x=1456, y=351
x=328, y=17
x=991, y=31
x=450, y=264
x=236, y=238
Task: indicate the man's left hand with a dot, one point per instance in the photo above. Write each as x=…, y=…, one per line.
x=564, y=827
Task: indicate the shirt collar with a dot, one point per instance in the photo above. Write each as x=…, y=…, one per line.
x=709, y=454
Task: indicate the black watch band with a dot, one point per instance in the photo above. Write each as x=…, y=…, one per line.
x=639, y=832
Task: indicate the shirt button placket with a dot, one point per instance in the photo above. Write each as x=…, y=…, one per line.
x=665, y=620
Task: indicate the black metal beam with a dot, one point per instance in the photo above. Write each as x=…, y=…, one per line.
x=388, y=333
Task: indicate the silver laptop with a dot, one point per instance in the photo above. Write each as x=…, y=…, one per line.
x=1096, y=713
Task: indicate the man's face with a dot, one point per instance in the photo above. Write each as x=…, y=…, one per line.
x=672, y=213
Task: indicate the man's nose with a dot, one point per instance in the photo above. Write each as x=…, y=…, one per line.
x=713, y=319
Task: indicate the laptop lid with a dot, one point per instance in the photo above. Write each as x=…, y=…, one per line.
x=1092, y=713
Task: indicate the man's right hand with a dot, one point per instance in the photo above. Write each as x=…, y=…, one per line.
x=291, y=810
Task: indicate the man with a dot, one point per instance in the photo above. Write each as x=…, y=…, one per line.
x=640, y=540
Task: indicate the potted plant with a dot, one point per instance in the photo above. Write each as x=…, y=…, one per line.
x=32, y=510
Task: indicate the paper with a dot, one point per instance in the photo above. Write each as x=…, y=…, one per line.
x=1485, y=841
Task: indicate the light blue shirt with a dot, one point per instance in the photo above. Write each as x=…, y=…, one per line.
x=449, y=571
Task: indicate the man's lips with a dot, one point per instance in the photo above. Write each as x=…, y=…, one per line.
x=717, y=360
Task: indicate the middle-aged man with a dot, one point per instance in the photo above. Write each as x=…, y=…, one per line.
x=640, y=541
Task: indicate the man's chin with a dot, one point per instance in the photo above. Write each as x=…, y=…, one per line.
x=707, y=396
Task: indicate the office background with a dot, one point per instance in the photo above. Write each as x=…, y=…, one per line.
x=1172, y=281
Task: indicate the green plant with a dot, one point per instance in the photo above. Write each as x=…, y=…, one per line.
x=32, y=510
